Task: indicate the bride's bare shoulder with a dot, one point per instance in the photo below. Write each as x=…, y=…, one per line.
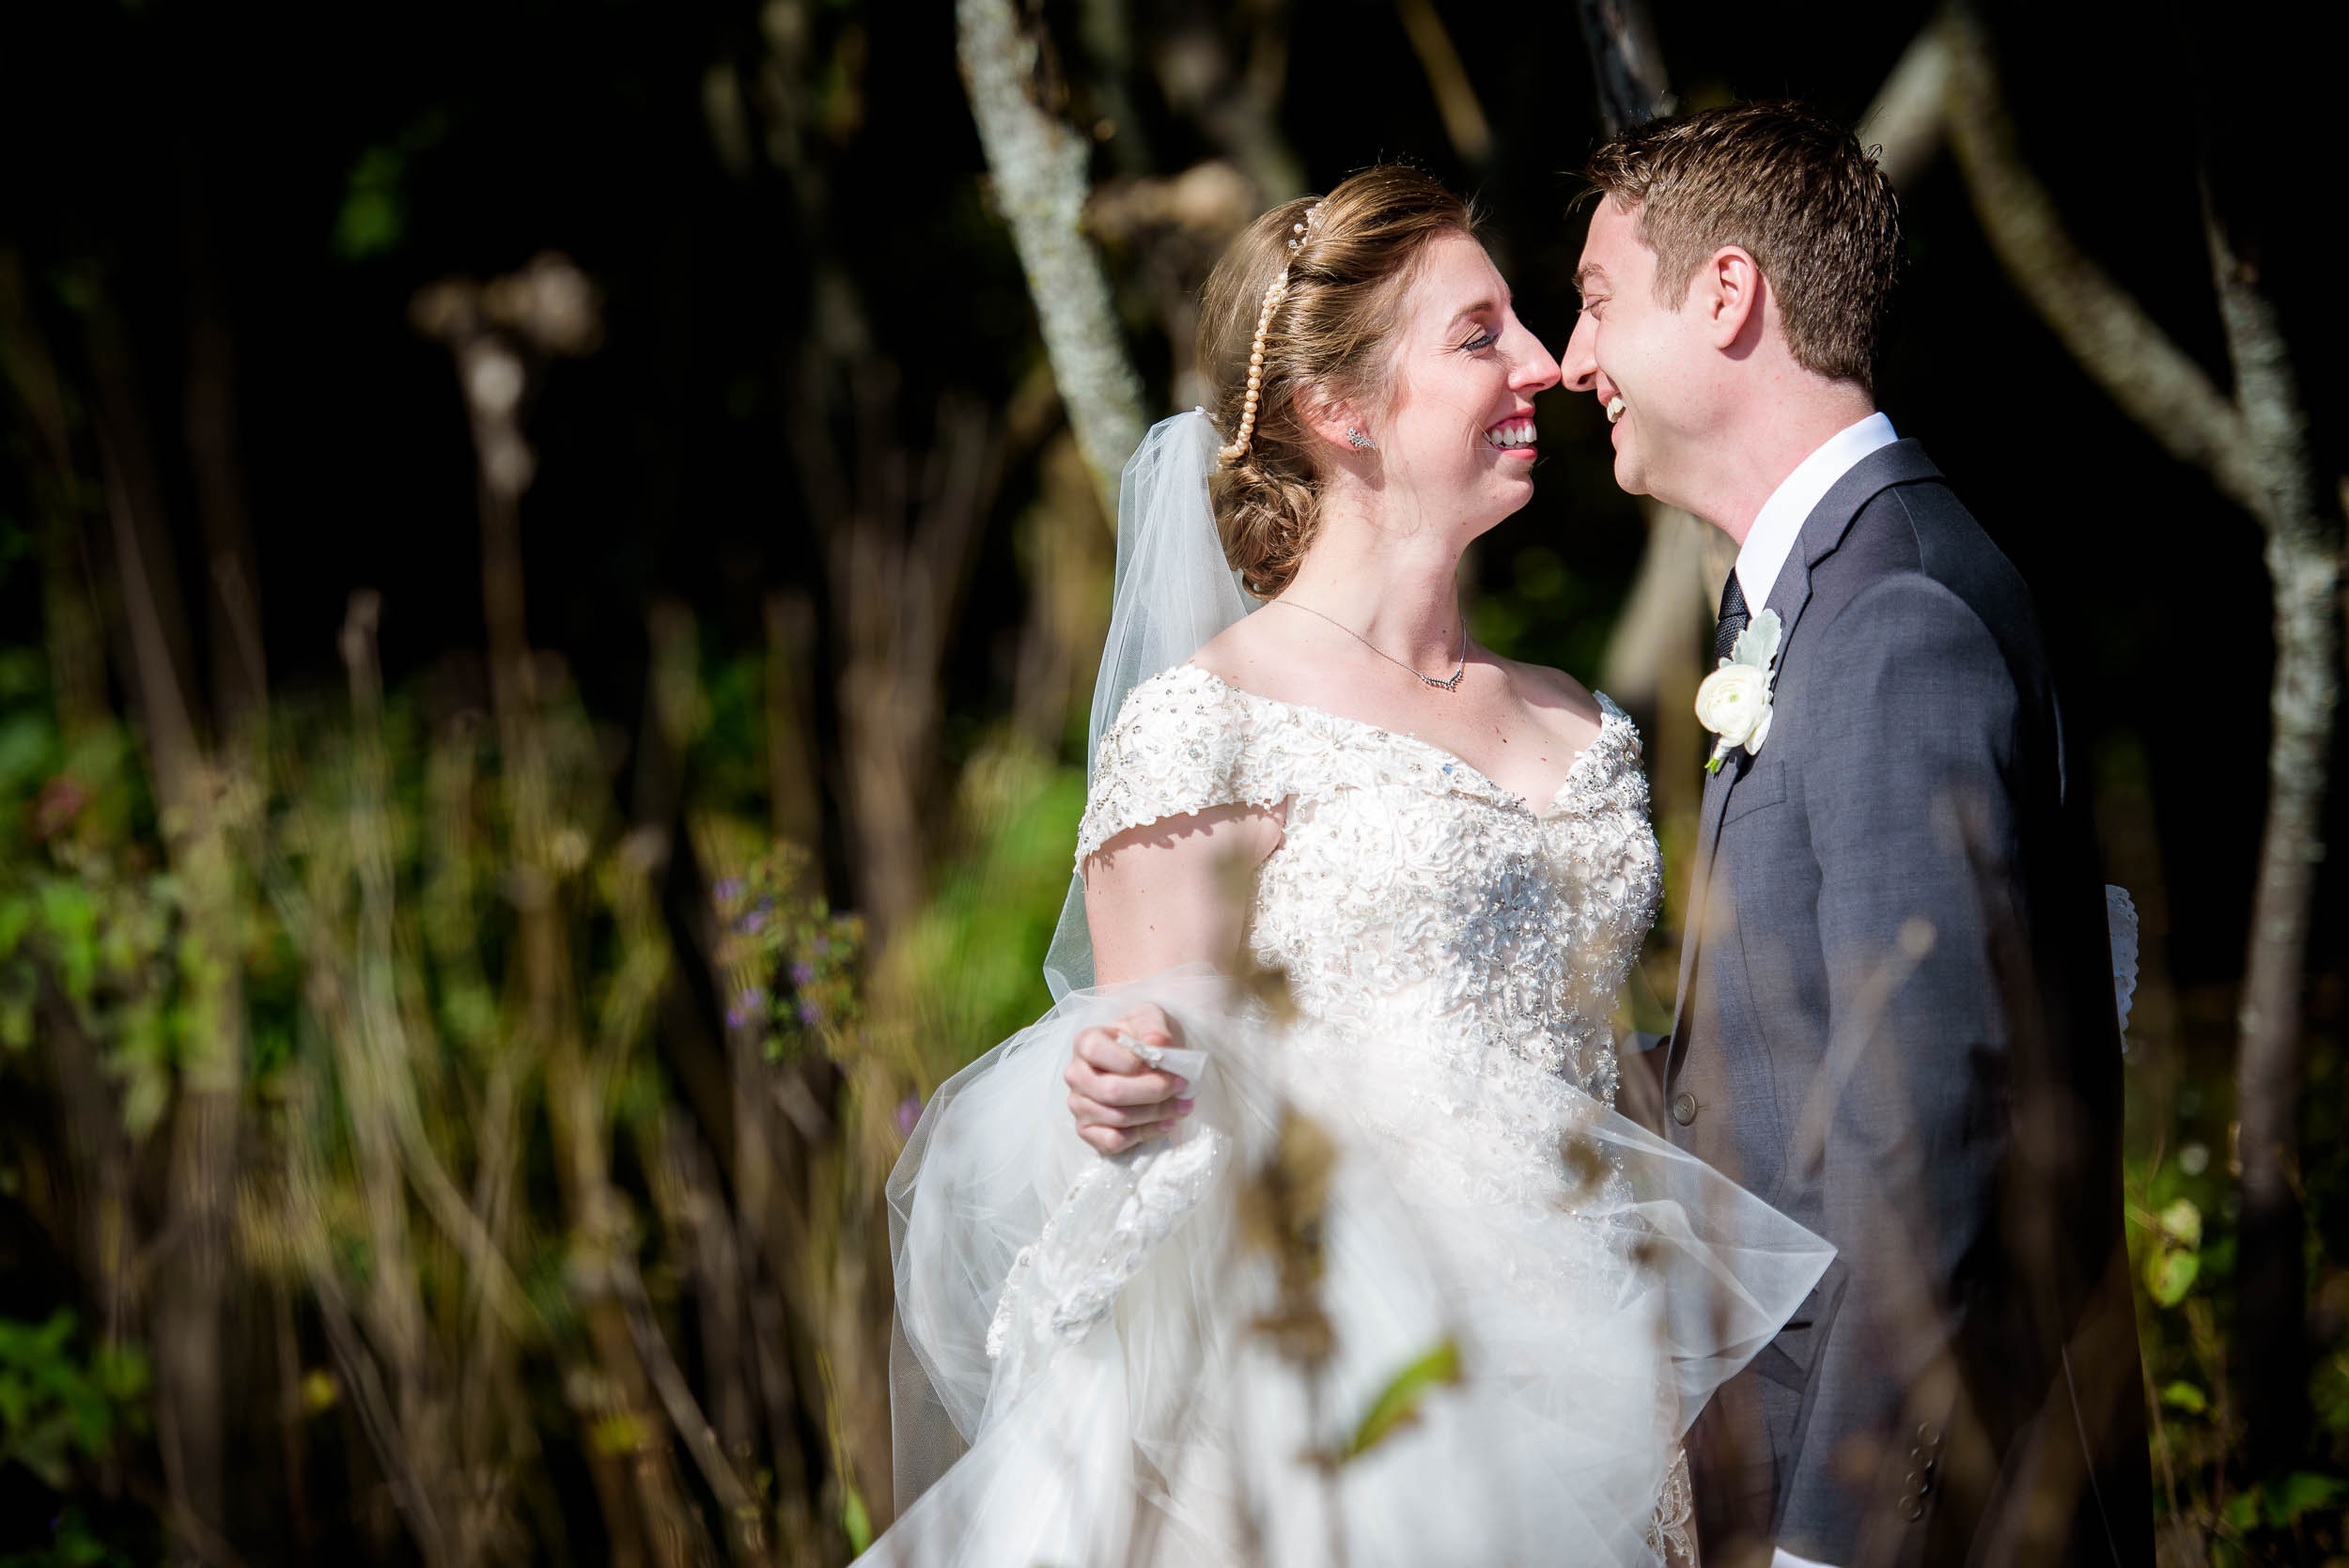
x=1561, y=702
x=1258, y=654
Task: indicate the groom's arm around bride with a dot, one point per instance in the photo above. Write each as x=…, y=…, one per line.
x=1895, y=1020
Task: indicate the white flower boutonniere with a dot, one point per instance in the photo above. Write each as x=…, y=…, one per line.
x=1734, y=701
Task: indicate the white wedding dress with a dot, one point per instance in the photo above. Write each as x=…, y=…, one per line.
x=1403, y=1156
x=1097, y=1361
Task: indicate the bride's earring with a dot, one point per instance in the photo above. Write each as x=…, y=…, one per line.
x=1361, y=441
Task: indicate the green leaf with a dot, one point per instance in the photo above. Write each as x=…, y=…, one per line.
x=121, y=1371
x=2170, y=1275
x=71, y=915
x=15, y=918
x=20, y=990
x=2283, y=1503
x=2183, y=1395
x=374, y=214
x=1758, y=644
x=1397, y=1404
x=27, y=748
x=616, y=1434
x=856, y=1520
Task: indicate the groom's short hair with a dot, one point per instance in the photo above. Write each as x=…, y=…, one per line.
x=1791, y=187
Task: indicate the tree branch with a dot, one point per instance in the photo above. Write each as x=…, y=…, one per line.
x=1905, y=121
x=1039, y=167
x=2304, y=568
x=2107, y=332
x=1463, y=122
x=1627, y=67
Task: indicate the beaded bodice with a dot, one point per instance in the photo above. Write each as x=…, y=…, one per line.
x=1410, y=895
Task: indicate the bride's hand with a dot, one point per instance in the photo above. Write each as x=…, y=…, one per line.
x=1117, y=1099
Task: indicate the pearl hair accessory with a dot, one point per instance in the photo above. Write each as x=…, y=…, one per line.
x=1299, y=233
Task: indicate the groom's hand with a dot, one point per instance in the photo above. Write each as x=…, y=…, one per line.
x=1117, y=1099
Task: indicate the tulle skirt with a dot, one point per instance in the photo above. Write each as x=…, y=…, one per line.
x=1370, y=1305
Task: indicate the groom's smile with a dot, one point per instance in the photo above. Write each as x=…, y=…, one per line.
x=1642, y=360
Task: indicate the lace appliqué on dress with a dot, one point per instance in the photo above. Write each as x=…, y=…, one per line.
x=1118, y=1213
x=1183, y=742
x=1457, y=946
x=1672, y=1533
x=1453, y=955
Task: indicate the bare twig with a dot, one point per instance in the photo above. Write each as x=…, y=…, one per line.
x=1463, y=122
x=206, y=1118
x=1906, y=120
x=746, y=1536
x=1627, y=67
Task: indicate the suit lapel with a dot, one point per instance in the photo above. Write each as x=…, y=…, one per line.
x=1901, y=462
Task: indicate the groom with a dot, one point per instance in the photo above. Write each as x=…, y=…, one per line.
x=1895, y=1020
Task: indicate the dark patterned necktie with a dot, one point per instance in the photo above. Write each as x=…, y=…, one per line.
x=1733, y=621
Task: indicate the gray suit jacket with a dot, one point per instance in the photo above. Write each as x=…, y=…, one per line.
x=1895, y=1023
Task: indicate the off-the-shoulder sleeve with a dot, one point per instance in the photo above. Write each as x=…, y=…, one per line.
x=1184, y=742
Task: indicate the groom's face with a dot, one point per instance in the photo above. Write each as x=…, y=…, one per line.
x=1627, y=346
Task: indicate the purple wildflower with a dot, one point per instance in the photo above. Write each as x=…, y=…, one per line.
x=802, y=973
x=729, y=889
x=747, y=1003
x=810, y=1014
x=909, y=1113
x=753, y=923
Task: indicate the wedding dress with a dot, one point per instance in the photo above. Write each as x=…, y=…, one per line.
x=1404, y=1155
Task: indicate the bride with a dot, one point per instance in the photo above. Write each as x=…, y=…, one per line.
x=1344, y=1254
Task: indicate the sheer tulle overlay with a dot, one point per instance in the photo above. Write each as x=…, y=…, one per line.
x=1098, y=1362
x=1132, y=1411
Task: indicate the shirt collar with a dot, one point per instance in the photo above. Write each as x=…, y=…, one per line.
x=1776, y=527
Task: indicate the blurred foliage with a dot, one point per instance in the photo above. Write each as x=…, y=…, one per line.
x=973, y=957
x=62, y=1402
x=561, y=1131
x=2181, y=1210
x=435, y=1241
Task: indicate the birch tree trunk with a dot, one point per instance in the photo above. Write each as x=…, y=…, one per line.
x=2255, y=447
x=1039, y=167
x=2304, y=572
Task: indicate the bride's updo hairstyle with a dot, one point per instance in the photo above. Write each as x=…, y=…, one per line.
x=1306, y=299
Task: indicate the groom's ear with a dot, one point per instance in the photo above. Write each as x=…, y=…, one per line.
x=1728, y=293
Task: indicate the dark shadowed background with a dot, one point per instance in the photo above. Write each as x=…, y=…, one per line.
x=811, y=558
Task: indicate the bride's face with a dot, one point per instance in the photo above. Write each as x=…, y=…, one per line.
x=1456, y=431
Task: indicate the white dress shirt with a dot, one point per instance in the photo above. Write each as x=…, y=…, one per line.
x=1781, y=1557
x=1762, y=556
x=1780, y=522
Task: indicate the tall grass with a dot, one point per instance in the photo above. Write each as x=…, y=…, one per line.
x=557, y=1148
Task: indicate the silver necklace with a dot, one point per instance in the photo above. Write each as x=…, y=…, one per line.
x=1449, y=683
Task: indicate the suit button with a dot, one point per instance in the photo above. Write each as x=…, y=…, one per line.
x=1684, y=1108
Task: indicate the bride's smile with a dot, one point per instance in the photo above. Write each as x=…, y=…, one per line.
x=1456, y=429
x=1444, y=856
